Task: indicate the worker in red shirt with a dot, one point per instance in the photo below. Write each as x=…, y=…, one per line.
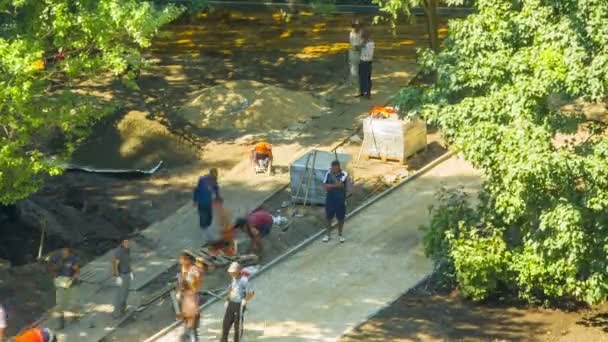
x=257, y=225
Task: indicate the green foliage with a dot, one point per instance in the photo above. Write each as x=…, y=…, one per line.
x=323, y=7
x=547, y=203
x=48, y=48
x=451, y=211
x=481, y=260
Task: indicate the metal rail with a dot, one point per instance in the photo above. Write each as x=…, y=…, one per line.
x=314, y=237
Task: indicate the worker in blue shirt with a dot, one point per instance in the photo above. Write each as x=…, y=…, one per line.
x=335, y=198
x=206, y=190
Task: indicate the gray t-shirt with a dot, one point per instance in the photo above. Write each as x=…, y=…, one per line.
x=239, y=289
x=123, y=255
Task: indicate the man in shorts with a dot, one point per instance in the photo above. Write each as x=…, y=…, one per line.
x=335, y=198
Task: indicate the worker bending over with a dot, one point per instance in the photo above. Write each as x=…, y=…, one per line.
x=257, y=225
x=261, y=157
x=221, y=230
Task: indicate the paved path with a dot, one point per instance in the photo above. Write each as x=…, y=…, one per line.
x=154, y=253
x=159, y=245
x=326, y=289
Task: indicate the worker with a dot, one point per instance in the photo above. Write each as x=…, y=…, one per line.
x=121, y=269
x=239, y=293
x=261, y=157
x=189, y=283
x=66, y=271
x=365, y=64
x=354, y=50
x=36, y=335
x=335, y=199
x=3, y=323
x=221, y=231
x=257, y=225
x=206, y=190
x=202, y=268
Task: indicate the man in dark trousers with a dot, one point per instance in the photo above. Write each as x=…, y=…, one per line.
x=365, y=65
x=335, y=198
x=66, y=271
x=203, y=195
x=121, y=269
x=239, y=293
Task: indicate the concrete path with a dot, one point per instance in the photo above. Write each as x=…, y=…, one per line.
x=326, y=289
x=153, y=253
x=157, y=248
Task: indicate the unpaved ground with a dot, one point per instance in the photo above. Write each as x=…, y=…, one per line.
x=429, y=313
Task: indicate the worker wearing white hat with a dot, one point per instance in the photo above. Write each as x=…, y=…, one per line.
x=239, y=293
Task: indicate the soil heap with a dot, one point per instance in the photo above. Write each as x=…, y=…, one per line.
x=249, y=106
x=134, y=140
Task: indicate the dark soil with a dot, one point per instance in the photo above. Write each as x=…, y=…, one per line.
x=430, y=312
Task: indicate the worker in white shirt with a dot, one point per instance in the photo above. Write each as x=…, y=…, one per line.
x=365, y=65
x=239, y=294
x=354, y=50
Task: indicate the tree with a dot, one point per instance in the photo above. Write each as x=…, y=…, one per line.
x=47, y=48
x=540, y=228
x=404, y=7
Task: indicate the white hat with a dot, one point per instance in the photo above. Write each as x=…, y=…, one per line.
x=234, y=267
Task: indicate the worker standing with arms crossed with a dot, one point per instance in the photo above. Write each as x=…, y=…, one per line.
x=335, y=198
x=121, y=269
x=239, y=294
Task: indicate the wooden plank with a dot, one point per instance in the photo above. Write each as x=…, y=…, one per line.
x=385, y=159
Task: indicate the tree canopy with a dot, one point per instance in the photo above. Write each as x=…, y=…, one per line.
x=47, y=48
x=540, y=228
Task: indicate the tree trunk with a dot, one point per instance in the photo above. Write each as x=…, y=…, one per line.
x=430, y=9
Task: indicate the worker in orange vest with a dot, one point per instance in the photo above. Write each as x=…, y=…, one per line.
x=36, y=335
x=261, y=157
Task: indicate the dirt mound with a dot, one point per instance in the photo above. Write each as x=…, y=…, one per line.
x=133, y=140
x=249, y=106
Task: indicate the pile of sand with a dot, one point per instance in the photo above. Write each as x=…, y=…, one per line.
x=249, y=106
x=133, y=141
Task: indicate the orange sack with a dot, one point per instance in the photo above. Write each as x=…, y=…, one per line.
x=382, y=112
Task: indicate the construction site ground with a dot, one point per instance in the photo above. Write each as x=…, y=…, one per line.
x=323, y=290
x=306, y=56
